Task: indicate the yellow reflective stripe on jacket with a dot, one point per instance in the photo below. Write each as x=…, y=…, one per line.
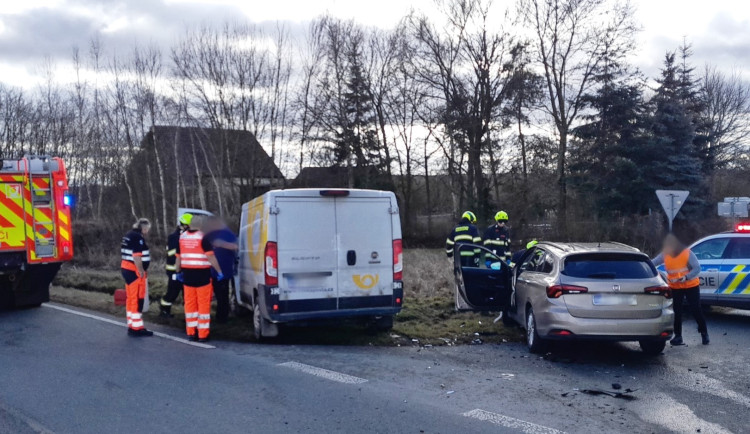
x=170, y=267
x=171, y=252
x=463, y=238
x=449, y=241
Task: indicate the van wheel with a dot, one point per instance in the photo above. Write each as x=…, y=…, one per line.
x=257, y=322
x=383, y=324
x=652, y=348
x=535, y=343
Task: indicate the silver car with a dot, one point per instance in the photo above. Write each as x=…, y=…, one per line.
x=563, y=291
x=606, y=291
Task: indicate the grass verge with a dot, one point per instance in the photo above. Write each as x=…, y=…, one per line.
x=427, y=317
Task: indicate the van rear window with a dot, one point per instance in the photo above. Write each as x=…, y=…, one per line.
x=608, y=266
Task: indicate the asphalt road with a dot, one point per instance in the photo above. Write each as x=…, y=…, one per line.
x=62, y=372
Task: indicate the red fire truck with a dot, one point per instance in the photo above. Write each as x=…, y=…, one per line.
x=35, y=228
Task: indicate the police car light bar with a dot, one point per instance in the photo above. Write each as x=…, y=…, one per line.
x=742, y=227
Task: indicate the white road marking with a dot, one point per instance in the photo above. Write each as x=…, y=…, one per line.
x=662, y=410
x=702, y=383
x=510, y=422
x=31, y=423
x=122, y=324
x=324, y=373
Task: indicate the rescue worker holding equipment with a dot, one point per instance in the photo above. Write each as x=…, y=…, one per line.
x=174, y=286
x=682, y=269
x=497, y=236
x=516, y=258
x=465, y=233
x=135, y=261
x=195, y=258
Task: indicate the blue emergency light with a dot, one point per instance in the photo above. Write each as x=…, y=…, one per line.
x=67, y=200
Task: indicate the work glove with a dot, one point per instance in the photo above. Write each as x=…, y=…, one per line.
x=179, y=277
x=219, y=276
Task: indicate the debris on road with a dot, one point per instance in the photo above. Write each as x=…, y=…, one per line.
x=616, y=386
x=476, y=342
x=450, y=392
x=620, y=395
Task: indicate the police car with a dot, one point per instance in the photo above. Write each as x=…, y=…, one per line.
x=725, y=267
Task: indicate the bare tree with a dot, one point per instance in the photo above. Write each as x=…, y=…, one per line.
x=571, y=39
x=727, y=109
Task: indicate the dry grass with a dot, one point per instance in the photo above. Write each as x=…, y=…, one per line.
x=427, y=316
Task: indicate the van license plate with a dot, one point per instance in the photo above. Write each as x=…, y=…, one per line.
x=614, y=300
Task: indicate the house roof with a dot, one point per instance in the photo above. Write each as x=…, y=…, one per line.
x=241, y=154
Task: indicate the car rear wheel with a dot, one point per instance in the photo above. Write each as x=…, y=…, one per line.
x=653, y=348
x=535, y=343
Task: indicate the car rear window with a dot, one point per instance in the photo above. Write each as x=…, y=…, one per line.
x=608, y=266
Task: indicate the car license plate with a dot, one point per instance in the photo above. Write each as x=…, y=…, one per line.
x=614, y=300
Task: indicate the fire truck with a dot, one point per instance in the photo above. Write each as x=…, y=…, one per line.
x=35, y=228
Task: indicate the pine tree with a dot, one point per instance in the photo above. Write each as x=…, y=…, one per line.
x=605, y=164
x=671, y=159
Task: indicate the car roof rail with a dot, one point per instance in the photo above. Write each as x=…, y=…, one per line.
x=617, y=243
x=555, y=245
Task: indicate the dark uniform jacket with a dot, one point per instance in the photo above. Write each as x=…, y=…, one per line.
x=173, y=243
x=463, y=233
x=133, y=244
x=497, y=239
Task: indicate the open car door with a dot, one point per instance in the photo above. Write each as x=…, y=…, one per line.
x=483, y=280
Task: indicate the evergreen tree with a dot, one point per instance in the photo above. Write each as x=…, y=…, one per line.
x=605, y=164
x=695, y=106
x=670, y=158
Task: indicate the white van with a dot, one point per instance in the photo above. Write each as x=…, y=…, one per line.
x=311, y=254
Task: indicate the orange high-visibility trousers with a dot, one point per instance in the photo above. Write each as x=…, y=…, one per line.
x=135, y=292
x=198, y=310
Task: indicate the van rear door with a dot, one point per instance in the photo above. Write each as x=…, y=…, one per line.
x=365, y=251
x=306, y=234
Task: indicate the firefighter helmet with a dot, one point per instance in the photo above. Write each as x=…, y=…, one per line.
x=186, y=219
x=531, y=244
x=470, y=216
x=501, y=216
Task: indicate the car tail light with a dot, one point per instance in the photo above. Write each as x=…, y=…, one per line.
x=272, y=264
x=398, y=301
x=398, y=260
x=556, y=291
x=334, y=193
x=659, y=290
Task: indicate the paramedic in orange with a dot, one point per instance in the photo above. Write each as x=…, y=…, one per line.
x=195, y=257
x=135, y=261
x=682, y=269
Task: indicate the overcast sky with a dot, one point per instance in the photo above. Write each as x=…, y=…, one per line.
x=32, y=30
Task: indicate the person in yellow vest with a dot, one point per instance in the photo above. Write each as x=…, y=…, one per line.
x=682, y=269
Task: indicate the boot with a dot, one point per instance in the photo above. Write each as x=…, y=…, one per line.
x=677, y=340
x=165, y=311
x=140, y=333
x=192, y=338
x=705, y=338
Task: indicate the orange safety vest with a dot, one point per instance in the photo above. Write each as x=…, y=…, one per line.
x=677, y=267
x=191, y=251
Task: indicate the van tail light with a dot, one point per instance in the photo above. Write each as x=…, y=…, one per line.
x=398, y=260
x=659, y=290
x=334, y=193
x=556, y=291
x=272, y=264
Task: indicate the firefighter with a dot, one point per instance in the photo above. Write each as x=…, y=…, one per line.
x=497, y=236
x=465, y=232
x=516, y=258
x=174, y=286
x=134, y=265
x=195, y=258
